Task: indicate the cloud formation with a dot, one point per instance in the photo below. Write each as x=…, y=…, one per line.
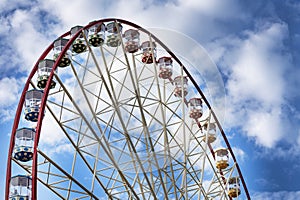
x=287, y=195
x=255, y=66
x=10, y=89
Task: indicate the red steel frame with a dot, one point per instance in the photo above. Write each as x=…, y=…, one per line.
x=45, y=96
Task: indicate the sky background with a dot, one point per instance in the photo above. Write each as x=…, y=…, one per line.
x=255, y=45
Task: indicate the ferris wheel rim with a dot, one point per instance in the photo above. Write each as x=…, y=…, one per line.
x=47, y=89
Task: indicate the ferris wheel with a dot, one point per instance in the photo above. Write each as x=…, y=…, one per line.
x=133, y=121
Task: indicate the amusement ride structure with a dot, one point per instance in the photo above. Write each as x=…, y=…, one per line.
x=135, y=123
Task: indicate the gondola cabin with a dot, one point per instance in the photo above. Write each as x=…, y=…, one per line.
x=149, y=52
x=79, y=44
x=23, y=149
x=97, y=34
x=132, y=40
x=165, y=65
x=20, y=188
x=114, y=32
x=221, y=158
x=43, y=72
x=234, y=187
x=210, y=132
x=181, y=86
x=32, y=103
x=195, y=108
x=59, y=45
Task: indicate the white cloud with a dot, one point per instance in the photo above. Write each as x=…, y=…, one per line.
x=5, y=26
x=239, y=154
x=6, y=5
x=29, y=43
x=215, y=8
x=149, y=13
x=52, y=140
x=281, y=153
x=265, y=127
x=51, y=133
x=23, y=39
x=255, y=67
x=258, y=68
x=28, y=36
x=9, y=91
x=78, y=12
x=286, y=195
x=9, y=97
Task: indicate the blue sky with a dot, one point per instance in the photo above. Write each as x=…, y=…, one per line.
x=255, y=45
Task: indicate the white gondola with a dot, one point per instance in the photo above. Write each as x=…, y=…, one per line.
x=114, y=31
x=32, y=103
x=23, y=150
x=149, y=52
x=181, y=86
x=20, y=188
x=79, y=45
x=211, y=132
x=132, y=40
x=222, y=158
x=43, y=72
x=97, y=34
x=195, y=108
x=59, y=45
x=165, y=65
x=234, y=187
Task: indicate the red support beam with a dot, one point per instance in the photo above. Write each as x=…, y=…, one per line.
x=40, y=117
x=17, y=120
